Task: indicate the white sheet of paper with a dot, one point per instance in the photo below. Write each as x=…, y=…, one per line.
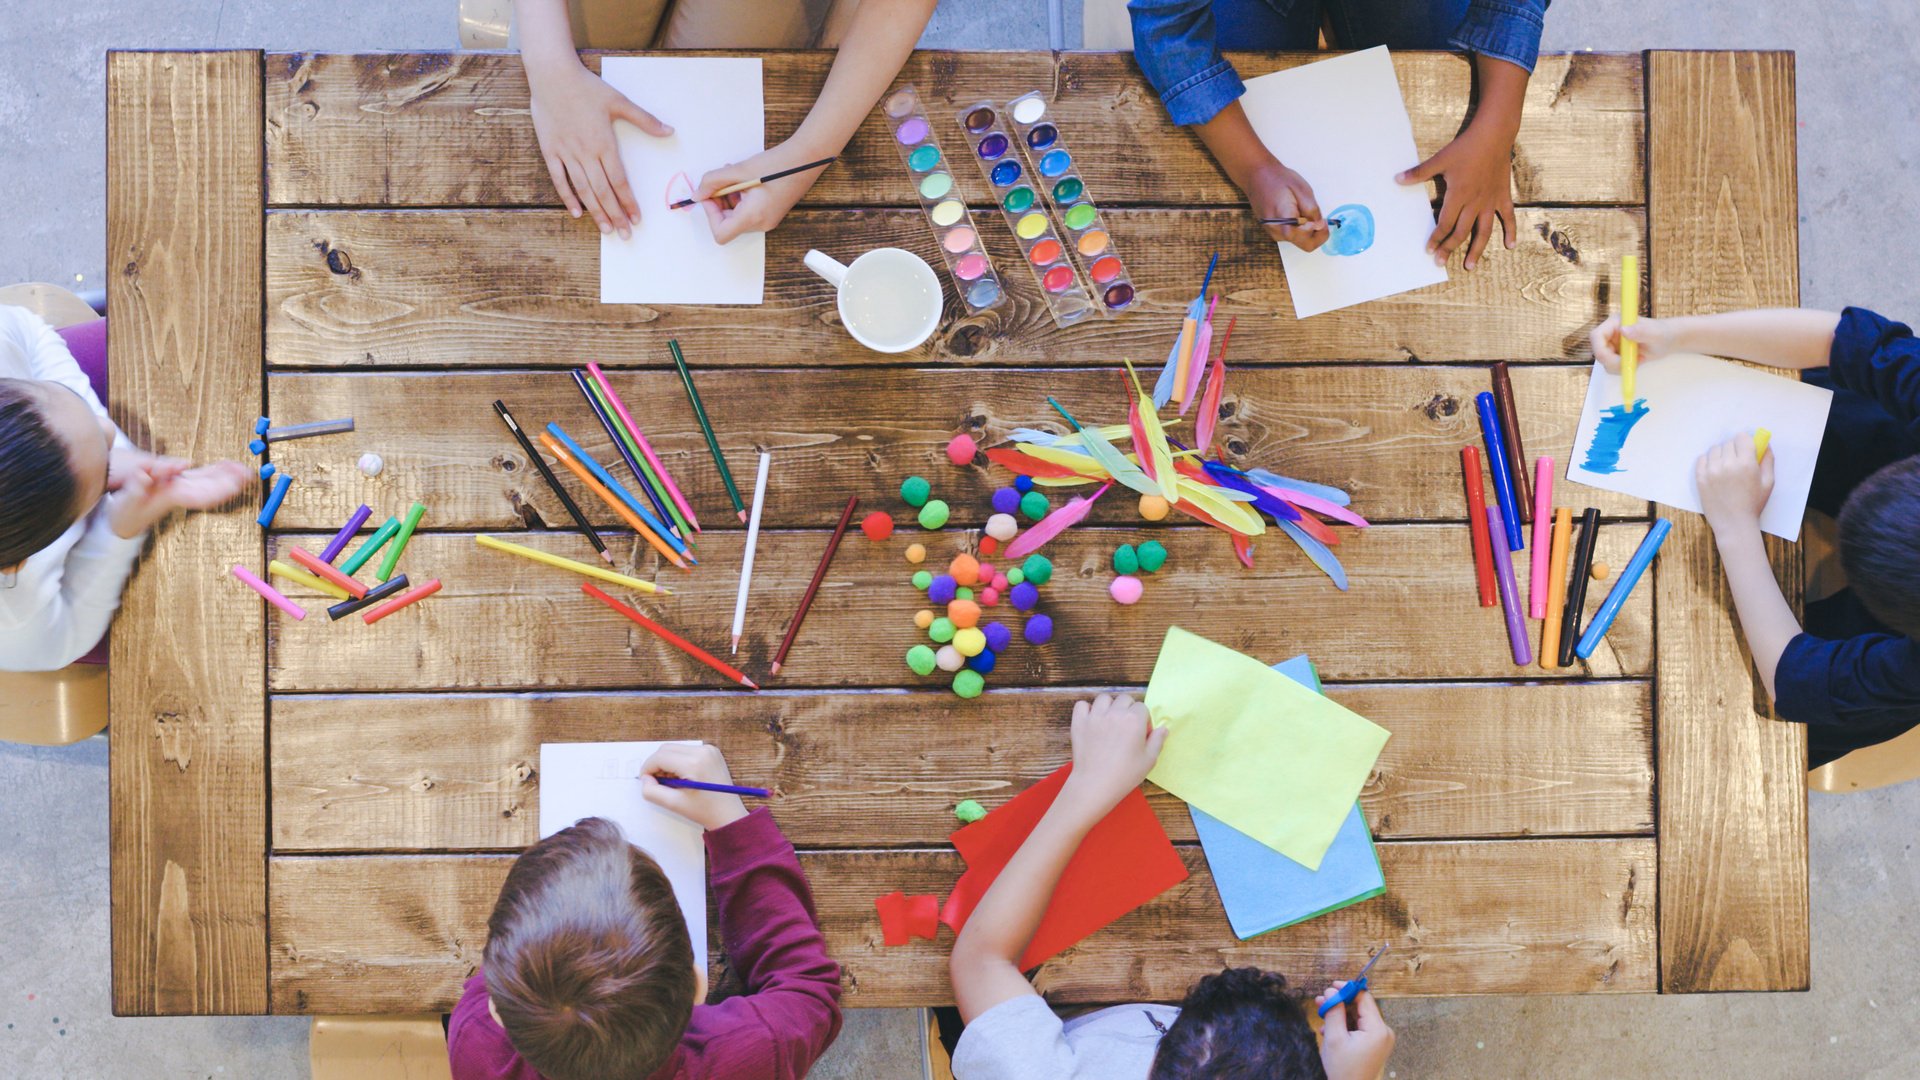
x=1342, y=125
x=715, y=107
x=583, y=780
x=1693, y=403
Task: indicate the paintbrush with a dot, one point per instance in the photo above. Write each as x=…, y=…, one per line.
x=734, y=189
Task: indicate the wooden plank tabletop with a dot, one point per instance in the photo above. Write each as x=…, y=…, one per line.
x=314, y=817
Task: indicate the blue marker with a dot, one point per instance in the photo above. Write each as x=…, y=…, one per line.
x=1354, y=988
x=673, y=539
x=702, y=785
x=1610, y=607
x=280, y=486
x=1497, y=464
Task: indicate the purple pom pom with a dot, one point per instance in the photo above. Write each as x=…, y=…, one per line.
x=998, y=636
x=943, y=589
x=1025, y=596
x=1006, y=501
x=1039, y=630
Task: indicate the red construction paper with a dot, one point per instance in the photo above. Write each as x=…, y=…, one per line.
x=893, y=917
x=923, y=916
x=1125, y=861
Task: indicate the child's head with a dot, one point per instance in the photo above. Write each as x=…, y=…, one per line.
x=1880, y=545
x=1239, y=1024
x=588, y=963
x=56, y=464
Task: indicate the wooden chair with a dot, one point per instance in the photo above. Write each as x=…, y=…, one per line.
x=378, y=1048
x=1885, y=764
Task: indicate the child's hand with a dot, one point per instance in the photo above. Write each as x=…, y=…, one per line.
x=1477, y=174
x=1275, y=191
x=1114, y=747
x=708, y=809
x=1355, y=1049
x=757, y=209
x=573, y=115
x=157, y=486
x=1734, y=486
x=125, y=461
x=1656, y=338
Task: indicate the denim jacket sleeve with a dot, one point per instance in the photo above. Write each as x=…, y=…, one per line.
x=1173, y=42
x=1503, y=29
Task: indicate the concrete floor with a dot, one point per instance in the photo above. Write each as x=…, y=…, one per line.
x=1859, y=149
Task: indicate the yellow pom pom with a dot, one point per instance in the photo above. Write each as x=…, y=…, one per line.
x=923, y=618
x=1600, y=571
x=1154, y=507
x=916, y=553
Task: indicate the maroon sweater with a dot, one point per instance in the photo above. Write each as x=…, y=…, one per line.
x=775, y=1031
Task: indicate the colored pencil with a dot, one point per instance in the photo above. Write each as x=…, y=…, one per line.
x=1497, y=465
x=378, y=594
x=280, y=485
x=1542, y=537
x=373, y=544
x=1556, y=589
x=735, y=189
x=276, y=568
x=1332, y=223
x=271, y=594
x=345, y=535
x=1629, y=314
x=638, y=458
x=586, y=569
x=1509, y=600
x=646, y=449
x=623, y=447
x=819, y=573
x=670, y=637
x=579, y=454
x=1477, y=526
x=392, y=558
x=1510, y=438
x=706, y=428
x=553, y=482
x=702, y=785
x=411, y=596
x=753, y=540
x=633, y=521
x=326, y=572
x=1761, y=438
x=1577, y=572
x=1610, y=607
x=303, y=431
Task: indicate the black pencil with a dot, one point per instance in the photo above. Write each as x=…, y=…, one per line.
x=1580, y=568
x=734, y=189
x=552, y=480
x=1334, y=224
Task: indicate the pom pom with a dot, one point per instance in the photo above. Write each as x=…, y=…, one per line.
x=923, y=579
x=1153, y=556
x=961, y=448
x=916, y=490
x=989, y=596
x=921, y=660
x=968, y=684
x=1023, y=484
x=989, y=546
x=941, y=631
x=933, y=515
x=970, y=641
x=1038, y=568
x=1024, y=596
x=982, y=663
x=943, y=589
x=1015, y=576
x=1126, y=590
x=1002, y=527
x=969, y=811
x=371, y=464
x=916, y=553
x=877, y=526
x=1039, y=630
x=1003, y=582
x=963, y=593
x=964, y=613
x=1005, y=500
x=923, y=618
x=949, y=659
x=998, y=636
x=1125, y=559
x=1599, y=571
x=965, y=569
x=986, y=573
x=1154, y=507
x=1034, y=505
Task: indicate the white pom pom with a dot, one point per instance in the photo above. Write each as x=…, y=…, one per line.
x=371, y=463
x=1002, y=527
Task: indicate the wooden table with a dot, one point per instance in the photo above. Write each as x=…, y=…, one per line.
x=315, y=817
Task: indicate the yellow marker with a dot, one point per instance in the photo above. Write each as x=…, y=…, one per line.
x=599, y=572
x=301, y=577
x=1761, y=437
x=1629, y=314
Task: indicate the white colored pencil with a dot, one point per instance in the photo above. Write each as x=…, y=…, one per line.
x=753, y=537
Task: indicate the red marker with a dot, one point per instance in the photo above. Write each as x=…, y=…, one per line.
x=1477, y=524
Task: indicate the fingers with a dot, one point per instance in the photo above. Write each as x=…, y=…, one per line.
x=1482, y=232
x=1443, y=225
x=1604, y=339
x=622, y=190
x=1766, y=472
x=625, y=109
x=1461, y=227
x=558, y=172
x=1156, y=740
x=609, y=203
x=1507, y=226
x=583, y=187
x=1367, y=1013
x=724, y=176
x=1424, y=171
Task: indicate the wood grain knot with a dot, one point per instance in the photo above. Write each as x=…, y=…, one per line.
x=1561, y=244
x=1440, y=406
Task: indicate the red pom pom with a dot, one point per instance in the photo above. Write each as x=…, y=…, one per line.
x=877, y=525
x=989, y=546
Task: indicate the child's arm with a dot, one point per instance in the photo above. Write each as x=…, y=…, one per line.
x=1114, y=747
x=1356, y=1048
x=1477, y=166
x=878, y=39
x=1796, y=338
x=1734, y=488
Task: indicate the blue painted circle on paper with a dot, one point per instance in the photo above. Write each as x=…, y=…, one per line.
x=1350, y=230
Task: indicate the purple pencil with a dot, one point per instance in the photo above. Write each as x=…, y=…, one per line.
x=1509, y=593
x=340, y=539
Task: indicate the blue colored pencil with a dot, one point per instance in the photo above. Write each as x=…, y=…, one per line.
x=340, y=539
x=1617, y=596
x=724, y=789
x=671, y=538
x=1497, y=464
x=280, y=485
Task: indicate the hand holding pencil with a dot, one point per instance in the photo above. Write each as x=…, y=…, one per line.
x=705, y=763
x=754, y=195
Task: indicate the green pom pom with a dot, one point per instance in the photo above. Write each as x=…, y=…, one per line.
x=941, y=630
x=969, y=811
x=1034, y=505
x=915, y=490
x=1016, y=575
x=963, y=593
x=933, y=515
x=1125, y=559
x=920, y=659
x=969, y=683
x=1038, y=569
x=1152, y=556
x=922, y=579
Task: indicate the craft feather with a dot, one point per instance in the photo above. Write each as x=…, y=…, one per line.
x=1117, y=465
x=1209, y=415
x=1026, y=464
x=1242, y=549
x=1273, y=479
x=1150, y=440
x=1036, y=537
x=1322, y=557
x=1202, y=344
x=1163, y=386
x=1235, y=516
x=1066, y=461
x=1262, y=501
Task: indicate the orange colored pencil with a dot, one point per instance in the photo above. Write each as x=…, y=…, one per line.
x=633, y=521
x=670, y=637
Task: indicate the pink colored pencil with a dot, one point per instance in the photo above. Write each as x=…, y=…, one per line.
x=640, y=440
x=272, y=594
x=413, y=595
x=1537, y=584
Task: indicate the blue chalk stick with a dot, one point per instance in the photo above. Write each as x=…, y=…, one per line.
x=1610, y=607
x=280, y=486
x=257, y=447
x=261, y=425
x=266, y=471
x=1497, y=464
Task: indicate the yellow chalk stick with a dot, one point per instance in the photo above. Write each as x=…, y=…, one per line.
x=1761, y=437
x=301, y=577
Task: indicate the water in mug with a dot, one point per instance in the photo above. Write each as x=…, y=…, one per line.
x=890, y=302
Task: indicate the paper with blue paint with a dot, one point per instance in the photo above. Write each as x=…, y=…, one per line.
x=1264, y=890
x=1688, y=404
x=1342, y=124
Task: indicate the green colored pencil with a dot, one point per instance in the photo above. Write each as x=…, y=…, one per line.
x=392, y=558
x=647, y=475
x=379, y=538
x=700, y=414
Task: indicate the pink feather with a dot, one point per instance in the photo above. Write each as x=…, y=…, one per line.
x=1209, y=415
x=1202, y=342
x=1074, y=512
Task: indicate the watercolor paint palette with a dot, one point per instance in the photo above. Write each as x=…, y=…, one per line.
x=1056, y=172
x=991, y=145
x=954, y=233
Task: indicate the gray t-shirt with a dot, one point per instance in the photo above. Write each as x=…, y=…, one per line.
x=1021, y=1039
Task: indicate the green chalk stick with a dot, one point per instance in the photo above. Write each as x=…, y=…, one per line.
x=392, y=557
x=374, y=543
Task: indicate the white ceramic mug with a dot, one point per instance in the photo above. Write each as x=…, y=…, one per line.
x=889, y=299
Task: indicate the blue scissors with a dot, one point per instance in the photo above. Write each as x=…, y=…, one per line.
x=1353, y=988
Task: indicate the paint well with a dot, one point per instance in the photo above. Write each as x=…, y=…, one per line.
x=1057, y=280
x=901, y=104
x=1043, y=136
x=1118, y=296
x=1027, y=110
x=1031, y=226
x=912, y=131
x=993, y=146
x=1045, y=251
x=1610, y=437
x=1019, y=200
x=959, y=240
x=980, y=119
x=970, y=266
x=1055, y=162
x=1005, y=173
x=1080, y=217
x=1093, y=243
x=923, y=158
x=936, y=185
x=947, y=213
x=1068, y=190
x=1104, y=270
x=984, y=292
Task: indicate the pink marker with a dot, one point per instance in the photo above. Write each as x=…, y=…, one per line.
x=1537, y=585
x=272, y=594
x=640, y=440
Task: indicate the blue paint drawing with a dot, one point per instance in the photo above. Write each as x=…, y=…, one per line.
x=1610, y=437
x=1351, y=230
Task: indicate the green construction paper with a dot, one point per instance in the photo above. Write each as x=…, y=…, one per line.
x=1256, y=749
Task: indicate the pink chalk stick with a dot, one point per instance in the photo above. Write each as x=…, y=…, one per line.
x=1537, y=584
x=272, y=594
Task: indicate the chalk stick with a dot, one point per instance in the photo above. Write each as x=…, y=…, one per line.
x=411, y=596
x=392, y=557
x=261, y=425
x=256, y=447
x=340, y=539
x=373, y=543
x=302, y=431
x=280, y=485
x=375, y=595
x=266, y=471
x=301, y=577
x=272, y=594
x=326, y=572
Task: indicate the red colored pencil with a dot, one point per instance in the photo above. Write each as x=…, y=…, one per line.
x=670, y=637
x=1477, y=524
x=813, y=586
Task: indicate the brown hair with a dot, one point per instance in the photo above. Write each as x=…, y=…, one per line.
x=1880, y=545
x=37, y=487
x=588, y=961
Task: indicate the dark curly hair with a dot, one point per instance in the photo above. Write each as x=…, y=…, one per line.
x=1880, y=545
x=37, y=486
x=1239, y=1024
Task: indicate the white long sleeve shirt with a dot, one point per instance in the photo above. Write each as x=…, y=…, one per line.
x=66, y=593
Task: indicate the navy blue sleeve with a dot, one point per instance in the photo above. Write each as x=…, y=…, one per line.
x=1872, y=680
x=1879, y=358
